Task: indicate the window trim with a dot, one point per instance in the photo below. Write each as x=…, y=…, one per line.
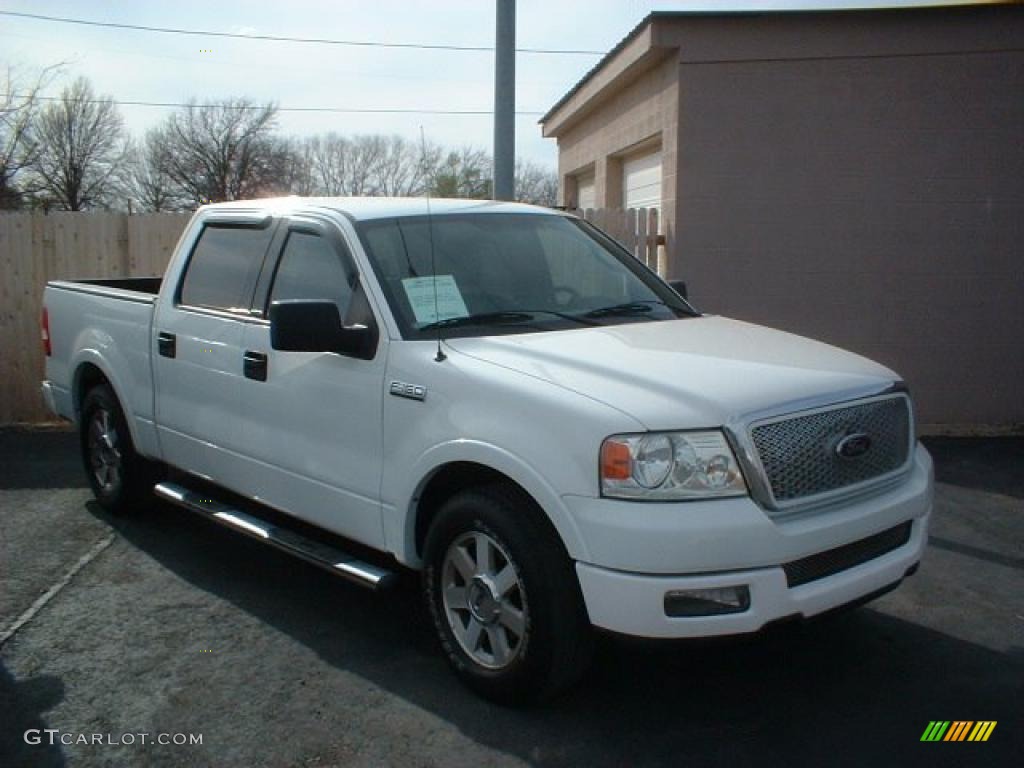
x=226, y=222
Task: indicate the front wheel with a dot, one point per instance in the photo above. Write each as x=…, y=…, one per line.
x=118, y=476
x=503, y=597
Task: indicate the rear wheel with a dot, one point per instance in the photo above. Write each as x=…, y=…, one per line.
x=503, y=597
x=118, y=476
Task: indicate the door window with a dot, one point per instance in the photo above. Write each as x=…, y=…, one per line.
x=311, y=268
x=222, y=270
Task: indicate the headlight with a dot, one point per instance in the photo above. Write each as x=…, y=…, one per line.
x=670, y=466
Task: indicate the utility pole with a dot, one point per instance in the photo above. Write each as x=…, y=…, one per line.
x=505, y=100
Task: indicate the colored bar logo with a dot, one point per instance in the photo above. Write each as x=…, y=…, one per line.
x=958, y=730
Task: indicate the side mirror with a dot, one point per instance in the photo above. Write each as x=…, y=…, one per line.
x=679, y=286
x=315, y=326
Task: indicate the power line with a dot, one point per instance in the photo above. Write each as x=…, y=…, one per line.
x=348, y=110
x=282, y=39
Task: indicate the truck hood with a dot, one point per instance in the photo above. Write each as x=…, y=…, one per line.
x=688, y=373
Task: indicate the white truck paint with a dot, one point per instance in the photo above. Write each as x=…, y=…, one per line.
x=324, y=439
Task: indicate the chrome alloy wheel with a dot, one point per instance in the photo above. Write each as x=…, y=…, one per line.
x=484, y=600
x=104, y=452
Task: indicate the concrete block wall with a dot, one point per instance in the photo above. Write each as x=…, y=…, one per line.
x=875, y=203
x=641, y=117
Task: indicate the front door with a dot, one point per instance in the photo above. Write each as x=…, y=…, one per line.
x=312, y=424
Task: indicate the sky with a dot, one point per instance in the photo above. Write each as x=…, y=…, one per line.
x=133, y=65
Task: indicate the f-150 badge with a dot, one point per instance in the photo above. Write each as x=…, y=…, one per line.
x=410, y=391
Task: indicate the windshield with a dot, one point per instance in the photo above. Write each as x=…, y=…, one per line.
x=510, y=273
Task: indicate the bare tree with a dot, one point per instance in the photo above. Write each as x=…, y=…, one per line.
x=364, y=156
x=298, y=176
x=149, y=183
x=329, y=164
x=222, y=151
x=370, y=165
x=347, y=166
x=19, y=105
x=80, y=148
x=535, y=183
x=227, y=151
x=464, y=172
x=404, y=166
x=281, y=169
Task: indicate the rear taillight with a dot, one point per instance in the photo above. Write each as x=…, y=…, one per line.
x=45, y=333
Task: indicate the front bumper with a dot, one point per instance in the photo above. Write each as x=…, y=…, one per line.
x=708, y=546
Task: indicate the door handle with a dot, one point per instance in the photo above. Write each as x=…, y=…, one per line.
x=254, y=365
x=167, y=343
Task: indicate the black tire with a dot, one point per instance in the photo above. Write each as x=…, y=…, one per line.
x=551, y=644
x=120, y=479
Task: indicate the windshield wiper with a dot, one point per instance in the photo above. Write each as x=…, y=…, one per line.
x=630, y=308
x=581, y=319
x=504, y=317
x=480, y=318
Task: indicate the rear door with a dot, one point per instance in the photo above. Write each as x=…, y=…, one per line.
x=198, y=360
x=312, y=420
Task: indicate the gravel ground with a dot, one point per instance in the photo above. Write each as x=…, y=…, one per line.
x=167, y=624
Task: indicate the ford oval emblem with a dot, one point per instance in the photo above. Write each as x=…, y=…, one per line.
x=853, y=445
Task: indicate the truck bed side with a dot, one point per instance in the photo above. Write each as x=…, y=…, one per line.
x=103, y=328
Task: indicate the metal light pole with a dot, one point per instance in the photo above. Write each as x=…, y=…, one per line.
x=505, y=100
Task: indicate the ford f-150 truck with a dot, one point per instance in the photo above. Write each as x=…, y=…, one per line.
x=504, y=399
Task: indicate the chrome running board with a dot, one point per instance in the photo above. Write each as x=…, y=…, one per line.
x=330, y=558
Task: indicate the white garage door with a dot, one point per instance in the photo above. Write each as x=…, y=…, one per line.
x=585, y=197
x=641, y=182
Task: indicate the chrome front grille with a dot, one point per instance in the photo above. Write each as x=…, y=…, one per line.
x=802, y=455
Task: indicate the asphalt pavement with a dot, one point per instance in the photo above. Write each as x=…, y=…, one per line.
x=163, y=624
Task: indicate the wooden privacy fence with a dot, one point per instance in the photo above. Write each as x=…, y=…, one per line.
x=35, y=248
x=635, y=228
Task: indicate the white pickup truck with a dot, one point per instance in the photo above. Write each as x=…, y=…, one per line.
x=500, y=397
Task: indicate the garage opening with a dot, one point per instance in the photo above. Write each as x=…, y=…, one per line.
x=585, y=195
x=641, y=181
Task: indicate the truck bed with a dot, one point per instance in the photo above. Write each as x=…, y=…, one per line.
x=114, y=286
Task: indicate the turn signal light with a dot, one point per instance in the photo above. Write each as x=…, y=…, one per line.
x=616, y=462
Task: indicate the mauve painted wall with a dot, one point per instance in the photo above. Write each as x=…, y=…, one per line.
x=876, y=203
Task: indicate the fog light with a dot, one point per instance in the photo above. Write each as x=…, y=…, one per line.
x=707, y=602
